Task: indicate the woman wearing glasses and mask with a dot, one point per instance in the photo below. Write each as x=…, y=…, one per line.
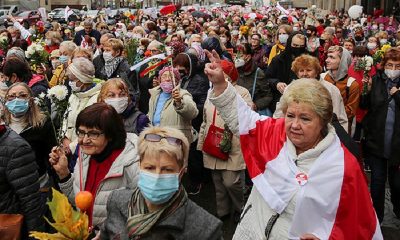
x=106, y=159
x=158, y=208
x=23, y=116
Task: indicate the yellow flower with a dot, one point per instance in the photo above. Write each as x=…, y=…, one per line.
x=385, y=47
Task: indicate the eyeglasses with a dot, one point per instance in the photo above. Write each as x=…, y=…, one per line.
x=152, y=137
x=93, y=135
x=20, y=96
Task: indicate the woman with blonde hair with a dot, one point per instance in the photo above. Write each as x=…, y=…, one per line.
x=115, y=92
x=159, y=207
x=282, y=35
x=24, y=116
x=298, y=165
x=82, y=52
x=53, y=40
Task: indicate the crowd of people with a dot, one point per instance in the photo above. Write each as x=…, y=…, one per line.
x=285, y=110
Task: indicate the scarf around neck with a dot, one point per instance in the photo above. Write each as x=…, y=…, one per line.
x=111, y=66
x=140, y=220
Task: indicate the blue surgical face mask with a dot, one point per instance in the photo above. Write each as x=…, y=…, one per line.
x=17, y=107
x=63, y=59
x=158, y=188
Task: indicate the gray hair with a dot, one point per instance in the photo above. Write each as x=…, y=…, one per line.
x=17, y=52
x=88, y=22
x=69, y=45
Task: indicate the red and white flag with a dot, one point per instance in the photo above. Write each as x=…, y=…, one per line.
x=333, y=198
x=67, y=12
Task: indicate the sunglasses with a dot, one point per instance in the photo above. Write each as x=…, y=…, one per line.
x=152, y=137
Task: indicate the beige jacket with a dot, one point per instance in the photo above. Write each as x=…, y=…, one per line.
x=78, y=102
x=235, y=161
x=172, y=116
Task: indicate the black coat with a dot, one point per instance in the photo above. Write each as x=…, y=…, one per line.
x=42, y=140
x=279, y=70
x=197, y=85
x=94, y=33
x=19, y=181
x=122, y=71
x=376, y=102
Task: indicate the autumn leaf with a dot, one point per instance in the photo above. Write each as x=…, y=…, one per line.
x=48, y=236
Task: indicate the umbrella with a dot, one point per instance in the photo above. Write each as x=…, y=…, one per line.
x=198, y=14
x=168, y=9
x=253, y=15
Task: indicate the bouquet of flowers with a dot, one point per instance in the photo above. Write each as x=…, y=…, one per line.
x=37, y=55
x=364, y=64
x=69, y=223
x=378, y=56
x=131, y=48
x=4, y=43
x=59, y=104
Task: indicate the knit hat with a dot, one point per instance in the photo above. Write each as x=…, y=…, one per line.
x=230, y=70
x=155, y=45
x=17, y=52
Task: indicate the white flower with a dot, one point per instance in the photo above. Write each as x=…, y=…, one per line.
x=59, y=92
x=42, y=95
x=367, y=68
x=36, y=101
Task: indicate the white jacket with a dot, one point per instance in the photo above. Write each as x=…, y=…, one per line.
x=123, y=174
x=78, y=102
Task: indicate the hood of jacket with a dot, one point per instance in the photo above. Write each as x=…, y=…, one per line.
x=344, y=64
x=212, y=43
x=89, y=93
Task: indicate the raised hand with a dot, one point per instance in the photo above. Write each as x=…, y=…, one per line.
x=215, y=73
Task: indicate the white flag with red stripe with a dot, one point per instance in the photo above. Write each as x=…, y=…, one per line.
x=333, y=201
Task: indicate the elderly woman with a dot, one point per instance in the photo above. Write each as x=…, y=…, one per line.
x=382, y=131
x=226, y=174
x=303, y=177
x=52, y=41
x=114, y=65
x=170, y=105
x=115, y=92
x=158, y=208
x=59, y=76
x=84, y=93
x=106, y=159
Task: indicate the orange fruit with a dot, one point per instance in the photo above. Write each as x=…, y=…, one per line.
x=84, y=200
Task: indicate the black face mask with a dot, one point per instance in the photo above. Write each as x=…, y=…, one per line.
x=321, y=42
x=308, y=35
x=359, y=38
x=296, y=51
x=182, y=73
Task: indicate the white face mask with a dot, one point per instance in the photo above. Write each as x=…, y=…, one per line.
x=119, y=104
x=283, y=38
x=162, y=28
x=47, y=42
x=55, y=64
x=223, y=40
x=195, y=44
x=392, y=74
x=74, y=88
x=371, y=46
x=296, y=29
x=3, y=86
x=137, y=35
x=107, y=56
x=239, y=62
x=383, y=41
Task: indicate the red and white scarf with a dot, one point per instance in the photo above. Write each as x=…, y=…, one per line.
x=333, y=201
